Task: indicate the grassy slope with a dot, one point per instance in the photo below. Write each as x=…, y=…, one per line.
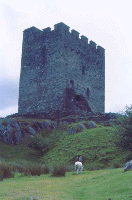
x=97, y=146
x=18, y=153
x=90, y=185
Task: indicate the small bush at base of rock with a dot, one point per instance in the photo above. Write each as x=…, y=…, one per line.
x=38, y=143
x=45, y=170
x=116, y=165
x=59, y=171
x=35, y=170
x=1, y=175
x=6, y=171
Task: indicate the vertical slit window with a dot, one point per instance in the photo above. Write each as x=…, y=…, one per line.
x=88, y=92
x=44, y=55
x=83, y=70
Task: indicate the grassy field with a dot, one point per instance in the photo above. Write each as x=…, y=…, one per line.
x=90, y=185
x=102, y=177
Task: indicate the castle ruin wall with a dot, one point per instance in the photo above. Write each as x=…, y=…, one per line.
x=53, y=60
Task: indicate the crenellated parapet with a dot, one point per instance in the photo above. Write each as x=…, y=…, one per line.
x=62, y=31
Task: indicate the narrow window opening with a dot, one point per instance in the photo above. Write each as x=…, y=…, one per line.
x=88, y=92
x=83, y=70
x=44, y=55
x=72, y=83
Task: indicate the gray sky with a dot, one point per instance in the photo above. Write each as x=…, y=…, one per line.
x=108, y=23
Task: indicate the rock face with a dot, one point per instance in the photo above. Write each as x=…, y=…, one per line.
x=8, y=130
x=14, y=128
x=81, y=127
x=71, y=130
x=128, y=166
x=91, y=124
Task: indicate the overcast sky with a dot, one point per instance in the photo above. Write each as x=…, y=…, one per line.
x=108, y=23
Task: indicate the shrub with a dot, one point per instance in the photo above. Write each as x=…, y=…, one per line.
x=59, y=171
x=116, y=165
x=45, y=170
x=35, y=170
x=124, y=130
x=20, y=168
x=1, y=175
x=26, y=171
x=6, y=171
x=39, y=144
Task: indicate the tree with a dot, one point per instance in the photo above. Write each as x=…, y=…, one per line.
x=125, y=129
x=39, y=144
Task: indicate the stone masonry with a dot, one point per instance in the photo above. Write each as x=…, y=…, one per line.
x=60, y=70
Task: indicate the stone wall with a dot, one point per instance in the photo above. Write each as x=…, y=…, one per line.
x=52, y=62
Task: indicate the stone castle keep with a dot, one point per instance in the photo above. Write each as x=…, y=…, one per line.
x=60, y=70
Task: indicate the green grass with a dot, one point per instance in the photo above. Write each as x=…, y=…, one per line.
x=90, y=185
x=97, y=146
x=17, y=153
x=99, y=151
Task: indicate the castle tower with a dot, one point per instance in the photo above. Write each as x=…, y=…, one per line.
x=60, y=70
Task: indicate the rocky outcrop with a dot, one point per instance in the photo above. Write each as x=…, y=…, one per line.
x=71, y=130
x=14, y=128
x=91, y=124
x=81, y=127
x=128, y=166
x=10, y=131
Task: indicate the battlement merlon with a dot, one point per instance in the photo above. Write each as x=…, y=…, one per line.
x=46, y=30
x=31, y=30
x=75, y=33
x=93, y=44
x=84, y=39
x=61, y=27
x=101, y=50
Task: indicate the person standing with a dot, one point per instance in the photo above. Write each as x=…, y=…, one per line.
x=80, y=158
